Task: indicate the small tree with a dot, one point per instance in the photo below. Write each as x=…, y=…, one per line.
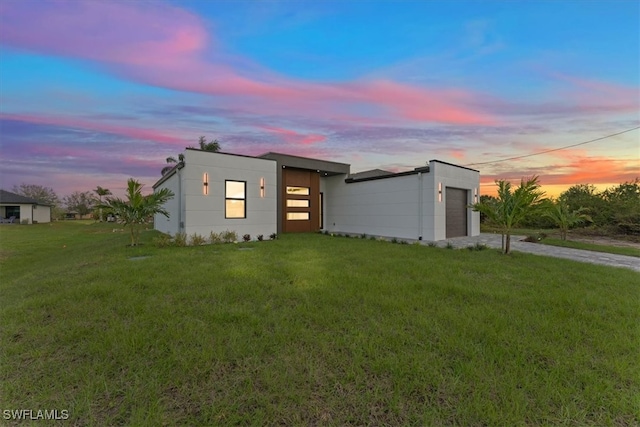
x=624, y=203
x=101, y=192
x=137, y=209
x=511, y=207
x=81, y=202
x=565, y=218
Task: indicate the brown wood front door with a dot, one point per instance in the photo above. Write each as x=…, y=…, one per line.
x=300, y=200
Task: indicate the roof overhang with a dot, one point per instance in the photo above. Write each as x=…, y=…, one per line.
x=324, y=167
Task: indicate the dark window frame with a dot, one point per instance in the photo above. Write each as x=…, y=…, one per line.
x=243, y=199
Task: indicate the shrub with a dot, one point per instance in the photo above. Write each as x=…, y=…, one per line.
x=372, y=238
x=180, y=239
x=197, y=240
x=260, y=237
x=162, y=241
x=325, y=232
x=363, y=236
x=394, y=240
x=273, y=236
x=477, y=247
x=432, y=244
x=404, y=242
x=480, y=246
x=215, y=237
x=535, y=238
x=229, y=236
x=246, y=237
x=449, y=245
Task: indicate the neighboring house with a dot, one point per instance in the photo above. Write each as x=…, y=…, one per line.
x=23, y=208
x=283, y=193
x=76, y=215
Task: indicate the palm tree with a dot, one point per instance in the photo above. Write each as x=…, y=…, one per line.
x=213, y=146
x=138, y=209
x=511, y=208
x=171, y=161
x=101, y=192
x=565, y=218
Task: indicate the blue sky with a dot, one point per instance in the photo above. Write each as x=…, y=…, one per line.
x=92, y=93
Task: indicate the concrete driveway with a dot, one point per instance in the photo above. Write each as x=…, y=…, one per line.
x=494, y=241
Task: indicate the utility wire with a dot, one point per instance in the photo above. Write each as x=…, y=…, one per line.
x=555, y=149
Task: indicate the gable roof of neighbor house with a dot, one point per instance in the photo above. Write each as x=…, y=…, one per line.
x=7, y=197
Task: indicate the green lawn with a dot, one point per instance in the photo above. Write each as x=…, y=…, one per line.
x=618, y=250
x=553, y=239
x=311, y=330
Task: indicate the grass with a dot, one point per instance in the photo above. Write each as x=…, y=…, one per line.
x=311, y=330
x=553, y=239
x=618, y=250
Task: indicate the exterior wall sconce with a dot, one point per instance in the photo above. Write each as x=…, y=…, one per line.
x=205, y=183
x=439, y=191
x=262, y=187
x=475, y=195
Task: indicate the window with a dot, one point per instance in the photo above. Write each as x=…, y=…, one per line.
x=298, y=191
x=235, y=199
x=12, y=211
x=298, y=216
x=296, y=203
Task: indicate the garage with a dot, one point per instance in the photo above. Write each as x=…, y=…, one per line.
x=456, y=212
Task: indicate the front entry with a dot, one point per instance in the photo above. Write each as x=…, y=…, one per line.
x=300, y=200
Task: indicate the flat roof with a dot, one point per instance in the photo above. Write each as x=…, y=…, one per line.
x=323, y=166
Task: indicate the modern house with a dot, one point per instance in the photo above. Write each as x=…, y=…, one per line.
x=283, y=193
x=22, y=209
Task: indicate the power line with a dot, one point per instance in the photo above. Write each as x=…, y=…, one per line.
x=555, y=149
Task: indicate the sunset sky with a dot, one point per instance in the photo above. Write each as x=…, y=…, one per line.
x=95, y=92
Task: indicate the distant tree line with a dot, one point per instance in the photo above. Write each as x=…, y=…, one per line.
x=615, y=210
x=82, y=203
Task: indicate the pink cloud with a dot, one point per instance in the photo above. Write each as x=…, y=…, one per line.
x=166, y=46
x=117, y=32
x=293, y=137
x=101, y=126
x=592, y=95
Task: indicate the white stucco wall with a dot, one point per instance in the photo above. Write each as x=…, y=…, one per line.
x=41, y=214
x=171, y=225
x=384, y=207
x=453, y=177
x=405, y=207
x=203, y=213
